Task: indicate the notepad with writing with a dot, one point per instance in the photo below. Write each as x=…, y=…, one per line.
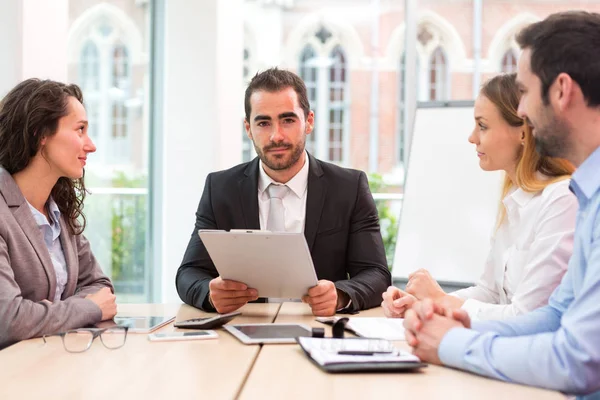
x=357, y=355
x=368, y=327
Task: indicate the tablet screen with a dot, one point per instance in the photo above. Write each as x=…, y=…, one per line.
x=273, y=331
x=141, y=323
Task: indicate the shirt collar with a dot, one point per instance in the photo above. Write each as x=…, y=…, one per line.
x=518, y=197
x=54, y=213
x=297, y=184
x=586, y=179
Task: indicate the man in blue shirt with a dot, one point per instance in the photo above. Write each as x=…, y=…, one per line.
x=556, y=346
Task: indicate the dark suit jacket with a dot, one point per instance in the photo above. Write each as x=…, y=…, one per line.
x=27, y=276
x=341, y=230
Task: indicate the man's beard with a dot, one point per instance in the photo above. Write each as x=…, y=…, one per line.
x=280, y=164
x=552, y=138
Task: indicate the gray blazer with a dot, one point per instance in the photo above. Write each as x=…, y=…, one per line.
x=27, y=275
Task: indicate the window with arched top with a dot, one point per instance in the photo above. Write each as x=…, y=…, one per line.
x=105, y=76
x=434, y=74
x=438, y=75
x=337, y=104
x=308, y=73
x=323, y=66
x=509, y=62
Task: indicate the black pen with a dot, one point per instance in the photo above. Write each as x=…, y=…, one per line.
x=362, y=352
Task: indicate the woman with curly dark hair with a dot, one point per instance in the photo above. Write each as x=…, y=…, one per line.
x=49, y=279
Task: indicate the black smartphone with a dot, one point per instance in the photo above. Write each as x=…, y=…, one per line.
x=207, y=322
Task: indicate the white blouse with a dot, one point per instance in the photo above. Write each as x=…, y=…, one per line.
x=529, y=254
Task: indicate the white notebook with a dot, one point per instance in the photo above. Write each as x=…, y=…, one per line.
x=368, y=327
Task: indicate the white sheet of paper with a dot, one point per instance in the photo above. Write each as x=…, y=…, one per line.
x=383, y=328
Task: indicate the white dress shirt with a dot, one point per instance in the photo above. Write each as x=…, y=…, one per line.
x=529, y=254
x=294, y=202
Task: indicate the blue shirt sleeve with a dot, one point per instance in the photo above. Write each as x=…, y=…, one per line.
x=528, y=350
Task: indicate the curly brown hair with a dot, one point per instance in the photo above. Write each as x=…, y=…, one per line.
x=29, y=113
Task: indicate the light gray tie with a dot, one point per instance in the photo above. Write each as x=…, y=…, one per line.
x=276, y=218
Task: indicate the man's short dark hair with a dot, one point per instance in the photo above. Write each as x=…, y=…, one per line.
x=566, y=42
x=274, y=80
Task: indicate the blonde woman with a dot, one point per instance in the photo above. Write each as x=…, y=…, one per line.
x=533, y=241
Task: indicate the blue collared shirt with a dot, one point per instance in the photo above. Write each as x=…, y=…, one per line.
x=51, y=234
x=557, y=346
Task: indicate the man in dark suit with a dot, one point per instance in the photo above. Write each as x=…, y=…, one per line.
x=286, y=189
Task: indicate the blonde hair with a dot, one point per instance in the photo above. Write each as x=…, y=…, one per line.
x=503, y=92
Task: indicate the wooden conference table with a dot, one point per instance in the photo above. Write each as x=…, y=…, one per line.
x=223, y=368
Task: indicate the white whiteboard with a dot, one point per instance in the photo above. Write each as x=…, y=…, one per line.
x=450, y=204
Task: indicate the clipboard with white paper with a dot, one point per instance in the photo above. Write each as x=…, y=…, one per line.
x=357, y=355
x=276, y=264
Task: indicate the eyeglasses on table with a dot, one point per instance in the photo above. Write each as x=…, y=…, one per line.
x=80, y=340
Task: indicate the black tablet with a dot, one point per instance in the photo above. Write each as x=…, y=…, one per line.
x=268, y=333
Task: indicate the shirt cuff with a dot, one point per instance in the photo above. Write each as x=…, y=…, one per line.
x=208, y=305
x=338, y=290
x=453, y=347
x=347, y=306
x=474, y=308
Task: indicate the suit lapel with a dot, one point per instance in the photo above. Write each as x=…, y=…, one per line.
x=316, y=191
x=32, y=231
x=71, y=260
x=20, y=209
x=248, y=187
